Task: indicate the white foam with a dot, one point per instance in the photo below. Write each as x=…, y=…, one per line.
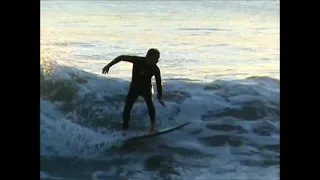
x=59, y=136
x=44, y=175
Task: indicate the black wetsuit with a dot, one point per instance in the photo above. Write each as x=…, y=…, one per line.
x=141, y=86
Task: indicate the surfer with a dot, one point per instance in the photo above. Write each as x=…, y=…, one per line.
x=144, y=68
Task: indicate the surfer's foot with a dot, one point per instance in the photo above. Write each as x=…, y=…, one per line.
x=153, y=130
x=124, y=131
x=153, y=127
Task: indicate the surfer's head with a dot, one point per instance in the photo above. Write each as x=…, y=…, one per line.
x=153, y=56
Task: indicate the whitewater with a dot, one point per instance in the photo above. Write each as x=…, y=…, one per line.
x=220, y=69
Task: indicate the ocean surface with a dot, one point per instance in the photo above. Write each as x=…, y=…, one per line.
x=220, y=64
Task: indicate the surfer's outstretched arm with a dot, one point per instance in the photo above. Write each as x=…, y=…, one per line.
x=127, y=58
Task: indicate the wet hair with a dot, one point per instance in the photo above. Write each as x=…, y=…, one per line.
x=152, y=53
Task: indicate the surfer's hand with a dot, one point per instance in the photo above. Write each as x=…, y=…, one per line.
x=105, y=69
x=161, y=102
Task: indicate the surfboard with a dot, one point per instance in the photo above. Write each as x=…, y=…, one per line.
x=159, y=132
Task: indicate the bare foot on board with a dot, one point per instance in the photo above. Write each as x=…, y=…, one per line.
x=153, y=130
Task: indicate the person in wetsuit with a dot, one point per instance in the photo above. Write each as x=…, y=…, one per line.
x=144, y=68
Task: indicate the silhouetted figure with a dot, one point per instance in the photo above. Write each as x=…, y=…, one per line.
x=143, y=70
